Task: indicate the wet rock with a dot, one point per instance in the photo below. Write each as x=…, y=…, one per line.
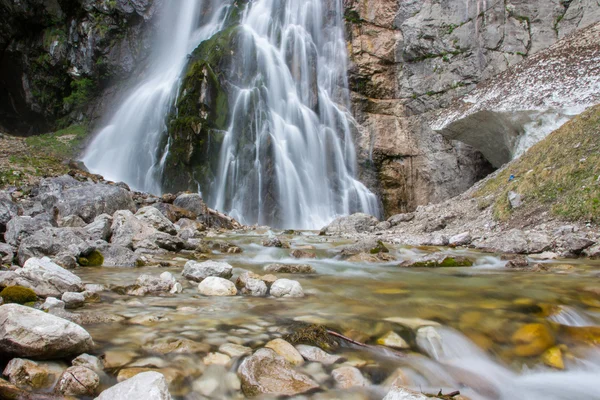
x=532, y=340
x=46, y=278
x=144, y=386
x=462, y=239
x=265, y=372
x=84, y=199
x=177, y=346
x=553, y=357
x=73, y=300
x=397, y=219
x=152, y=216
x=72, y=221
x=227, y=248
x=369, y=246
x=198, y=271
x=286, y=288
x=515, y=200
x=56, y=242
x=149, y=284
x=215, y=286
x=118, y=358
x=348, y=377
x=285, y=350
x=88, y=361
x=19, y=228
x=216, y=359
x=26, y=332
x=100, y=228
x=371, y=258
x=78, y=381
x=32, y=375
x=53, y=302
x=269, y=279
x=234, y=350
x=398, y=392
x=349, y=225
x=290, y=268
x=516, y=261
x=315, y=354
x=254, y=287
x=299, y=253
x=276, y=242
x=438, y=261
x=393, y=340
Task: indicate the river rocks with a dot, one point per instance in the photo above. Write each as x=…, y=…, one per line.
x=290, y=268
x=438, y=261
x=352, y=224
x=398, y=392
x=532, y=340
x=32, y=375
x=100, y=228
x=149, y=284
x=118, y=256
x=197, y=272
x=215, y=286
x=286, y=288
x=276, y=242
x=72, y=300
x=143, y=386
x=254, y=287
x=393, y=340
x=174, y=213
x=20, y=228
x=348, y=377
x=46, y=278
x=553, y=357
x=8, y=210
x=234, y=350
x=266, y=372
x=462, y=239
x=216, y=359
x=53, y=302
x=78, y=381
x=84, y=199
x=301, y=253
x=285, y=350
x=6, y=253
x=516, y=241
x=170, y=345
x=88, y=361
x=152, y=216
x=127, y=230
x=574, y=245
x=315, y=354
x=62, y=244
x=26, y=332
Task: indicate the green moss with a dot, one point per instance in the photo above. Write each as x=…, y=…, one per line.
x=380, y=248
x=94, y=259
x=560, y=173
x=353, y=17
x=82, y=91
x=18, y=295
x=446, y=262
x=314, y=335
x=64, y=143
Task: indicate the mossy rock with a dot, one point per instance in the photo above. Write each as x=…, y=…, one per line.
x=445, y=262
x=94, y=259
x=18, y=295
x=314, y=335
x=380, y=248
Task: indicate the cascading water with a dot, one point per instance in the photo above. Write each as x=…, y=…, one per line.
x=287, y=158
x=127, y=148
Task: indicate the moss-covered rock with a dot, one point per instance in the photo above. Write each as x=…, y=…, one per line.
x=94, y=259
x=439, y=262
x=314, y=335
x=18, y=295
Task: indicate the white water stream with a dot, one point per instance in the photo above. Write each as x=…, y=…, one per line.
x=287, y=158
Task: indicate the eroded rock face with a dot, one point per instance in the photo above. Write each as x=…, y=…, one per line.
x=26, y=332
x=265, y=372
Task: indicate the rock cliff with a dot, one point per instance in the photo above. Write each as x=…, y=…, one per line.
x=411, y=58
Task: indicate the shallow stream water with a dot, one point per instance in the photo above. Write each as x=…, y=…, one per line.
x=476, y=311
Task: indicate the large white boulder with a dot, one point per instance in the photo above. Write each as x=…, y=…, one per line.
x=145, y=386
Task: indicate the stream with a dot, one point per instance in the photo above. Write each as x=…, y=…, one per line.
x=472, y=314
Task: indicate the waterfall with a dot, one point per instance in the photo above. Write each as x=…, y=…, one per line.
x=287, y=158
x=126, y=149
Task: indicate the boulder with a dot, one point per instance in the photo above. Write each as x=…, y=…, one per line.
x=276, y=242
x=393, y=340
x=352, y=224
x=266, y=372
x=90, y=362
x=8, y=210
x=514, y=200
x=127, y=230
x=174, y=213
x=285, y=350
x=286, y=288
x=438, y=261
x=78, y=381
x=516, y=241
x=152, y=216
x=27, y=332
x=191, y=202
x=144, y=386
x=575, y=244
x=254, y=287
x=63, y=244
x=234, y=350
x=53, y=302
x=198, y=271
x=315, y=354
x=7, y=253
x=348, y=377
x=532, y=340
x=301, y=253
x=160, y=240
x=32, y=375
x=84, y=199
x=397, y=219
x=369, y=246
x=100, y=228
x=72, y=221
x=46, y=278
x=214, y=286
x=73, y=300
x=290, y=268
x=462, y=239
x=118, y=256
x=20, y=228
x=149, y=284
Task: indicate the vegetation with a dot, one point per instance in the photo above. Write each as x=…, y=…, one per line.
x=82, y=91
x=314, y=335
x=94, y=259
x=562, y=173
x=18, y=295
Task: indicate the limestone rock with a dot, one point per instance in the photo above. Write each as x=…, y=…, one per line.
x=393, y=340
x=78, y=381
x=397, y=219
x=53, y=302
x=127, y=230
x=215, y=286
x=438, y=261
x=315, y=354
x=285, y=350
x=462, y=239
x=516, y=241
x=118, y=256
x=348, y=377
x=191, y=202
x=216, y=359
x=290, y=269
x=398, y=392
x=234, y=350
x=286, y=288
x=26, y=332
x=144, y=386
x=301, y=253
x=197, y=272
x=72, y=221
x=254, y=287
x=46, y=278
x=154, y=217
x=348, y=225
x=100, y=228
x=276, y=242
x=56, y=242
x=150, y=284
x=265, y=372
x=19, y=228
x=73, y=299
x=88, y=361
x=8, y=210
x=32, y=375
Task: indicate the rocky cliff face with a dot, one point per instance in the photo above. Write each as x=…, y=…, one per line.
x=410, y=58
x=59, y=58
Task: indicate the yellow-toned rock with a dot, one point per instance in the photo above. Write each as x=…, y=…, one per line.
x=285, y=350
x=532, y=340
x=393, y=340
x=553, y=358
x=584, y=334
